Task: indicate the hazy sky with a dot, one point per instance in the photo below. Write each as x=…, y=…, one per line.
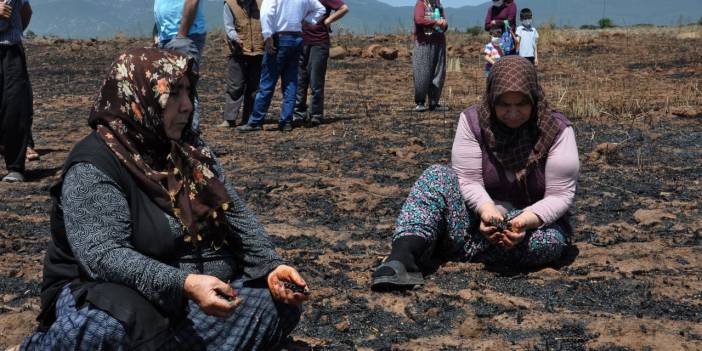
x=448, y=3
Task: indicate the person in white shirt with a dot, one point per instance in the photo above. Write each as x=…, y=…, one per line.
x=281, y=26
x=527, y=36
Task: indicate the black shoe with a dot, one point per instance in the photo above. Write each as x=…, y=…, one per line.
x=297, y=122
x=392, y=275
x=247, y=128
x=438, y=108
x=286, y=127
x=316, y=121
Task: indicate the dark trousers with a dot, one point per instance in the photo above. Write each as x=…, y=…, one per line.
x=312, y=73
x=241, y=86
x=15, y=106
x=429, y=72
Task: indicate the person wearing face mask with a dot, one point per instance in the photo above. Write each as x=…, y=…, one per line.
x=500, y=11
x=493, y=50
x=527, y=36
x=504, y=201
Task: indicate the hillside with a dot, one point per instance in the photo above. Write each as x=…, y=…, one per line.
x=102, y=18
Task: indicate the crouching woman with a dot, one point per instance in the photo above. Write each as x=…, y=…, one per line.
x=151, y=247
x=505, y=199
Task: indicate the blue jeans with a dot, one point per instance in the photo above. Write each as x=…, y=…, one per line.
x=195, y=51
x=284, y=65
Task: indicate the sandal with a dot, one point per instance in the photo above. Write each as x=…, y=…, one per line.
x=401, y=279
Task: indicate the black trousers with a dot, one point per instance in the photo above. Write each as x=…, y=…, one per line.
x=244, y=74
x=15, y=106
x=311, y=74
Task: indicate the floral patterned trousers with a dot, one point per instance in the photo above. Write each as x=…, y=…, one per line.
x=435, y=211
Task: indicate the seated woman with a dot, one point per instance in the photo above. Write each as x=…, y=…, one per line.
x=505, y=199
x=151, y=247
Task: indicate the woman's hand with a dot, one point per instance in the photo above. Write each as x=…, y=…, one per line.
x=525, y=221
x=520, y=224
x=487, y=212
x=443, y=24
x=215, y=297
x=278, y=277
x=5, y=11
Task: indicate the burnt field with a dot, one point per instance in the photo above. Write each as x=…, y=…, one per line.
x=329, y=196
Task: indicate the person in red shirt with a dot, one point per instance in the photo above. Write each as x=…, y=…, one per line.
x=499, y=11
x=429, y=55
x=313, y=64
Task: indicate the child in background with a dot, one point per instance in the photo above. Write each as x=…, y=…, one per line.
x=527, y=37
x=493, y=49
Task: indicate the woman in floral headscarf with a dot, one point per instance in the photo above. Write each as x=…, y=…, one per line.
x=506, y=196
x=151, y=247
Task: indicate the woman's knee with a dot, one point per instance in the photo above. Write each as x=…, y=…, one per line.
x=545, y=246
x=439, y=174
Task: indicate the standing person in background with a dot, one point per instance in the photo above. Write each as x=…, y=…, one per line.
x=500, y=11
x=181, y=27
x=313, y=64
x=15, y=89
x=527, y=36
x=242, y=23
x=493, y=50
x=429, y=55
x=281, y=23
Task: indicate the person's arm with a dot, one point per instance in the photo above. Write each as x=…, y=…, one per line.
x=189, y=12
x=419, y=16
x=267, y=15
x=229, y=22
x=99, y=229
x=562, y=169
x=467, y=162
x=512, y=16
x=488, y=19
x=259, y=255
x=337, y=15
x=26, y=15
x=536, y=47
x=315, y=11
x=489, y=59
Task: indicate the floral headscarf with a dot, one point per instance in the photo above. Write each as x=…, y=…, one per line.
x=519, y=149
x=177, y=175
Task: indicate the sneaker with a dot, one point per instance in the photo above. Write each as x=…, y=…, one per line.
x=31, y=155
x=226, y=124
x=420, y=108
x=315, y=121
x=246, y=128
x=285, y=127
x=13, y=177
x=438, y=108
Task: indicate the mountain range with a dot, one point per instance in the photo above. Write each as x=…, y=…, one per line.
x=106, y=18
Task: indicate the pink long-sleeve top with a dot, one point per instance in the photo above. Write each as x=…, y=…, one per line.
x=562, y=169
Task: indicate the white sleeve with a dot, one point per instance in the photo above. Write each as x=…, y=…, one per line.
x=315, y=11
x=268, y=8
